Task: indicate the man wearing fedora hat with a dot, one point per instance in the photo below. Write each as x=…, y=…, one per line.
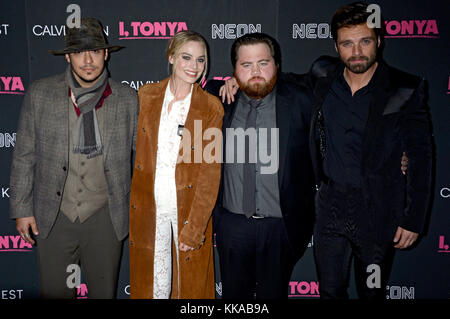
x=71, y=167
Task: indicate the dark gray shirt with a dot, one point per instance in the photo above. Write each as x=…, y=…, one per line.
x=267, y=158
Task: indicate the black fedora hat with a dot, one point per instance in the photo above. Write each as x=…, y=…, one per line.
x=89, y=36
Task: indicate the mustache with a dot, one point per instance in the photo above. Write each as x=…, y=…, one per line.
x=256, y=78
x=89, y=67
x=360, y=57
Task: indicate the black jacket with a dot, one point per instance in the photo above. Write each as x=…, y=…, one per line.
x=295, y=174
x=398, y=122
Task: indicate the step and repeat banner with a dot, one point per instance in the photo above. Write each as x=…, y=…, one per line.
x=417, y=41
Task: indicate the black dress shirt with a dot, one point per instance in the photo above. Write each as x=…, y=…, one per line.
x=345, y=118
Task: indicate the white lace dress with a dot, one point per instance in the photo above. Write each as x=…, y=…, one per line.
x=166, y=192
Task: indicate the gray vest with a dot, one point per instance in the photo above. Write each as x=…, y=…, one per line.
x=85, y=191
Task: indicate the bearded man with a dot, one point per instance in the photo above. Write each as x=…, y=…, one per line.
x=365, y=115
x=263, y=217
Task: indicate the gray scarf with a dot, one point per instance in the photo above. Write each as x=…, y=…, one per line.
x=85, y=133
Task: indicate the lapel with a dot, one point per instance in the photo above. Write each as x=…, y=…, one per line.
x=320, y=92
x=323, y=85
x=380, y=96
x=150, y=114
x=230, y=109
x=110, y=110
x=321, y=89
x=60, y=116
x=196, y=112
x=283, y=120
x=396, y=101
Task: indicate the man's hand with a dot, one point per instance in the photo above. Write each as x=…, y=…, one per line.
x=404, y=163
x=184, y=247
x=404, y=238
x=23, y=225
x=228, y=90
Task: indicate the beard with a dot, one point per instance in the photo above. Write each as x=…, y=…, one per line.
x=257, y=90
x=360, y=67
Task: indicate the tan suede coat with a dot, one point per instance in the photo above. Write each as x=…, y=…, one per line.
x=197, y=187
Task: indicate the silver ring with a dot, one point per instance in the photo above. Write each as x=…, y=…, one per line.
x=26, y=235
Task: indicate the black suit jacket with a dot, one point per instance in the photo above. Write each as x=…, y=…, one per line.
x=398, y=122
x=295, y=174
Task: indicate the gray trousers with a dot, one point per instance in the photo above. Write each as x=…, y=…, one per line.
x=92, y=244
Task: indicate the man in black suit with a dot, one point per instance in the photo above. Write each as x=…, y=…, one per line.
x=264, y=213
x=365, y=114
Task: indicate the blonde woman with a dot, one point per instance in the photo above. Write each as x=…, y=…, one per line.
x=173, y=192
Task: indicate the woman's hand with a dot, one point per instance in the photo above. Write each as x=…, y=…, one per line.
x=184, y=247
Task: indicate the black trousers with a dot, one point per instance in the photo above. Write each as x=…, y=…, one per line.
x=344, y=229
x=93, y=244
x=255, y=257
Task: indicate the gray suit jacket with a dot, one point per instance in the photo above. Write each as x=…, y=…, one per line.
x=40, y=159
